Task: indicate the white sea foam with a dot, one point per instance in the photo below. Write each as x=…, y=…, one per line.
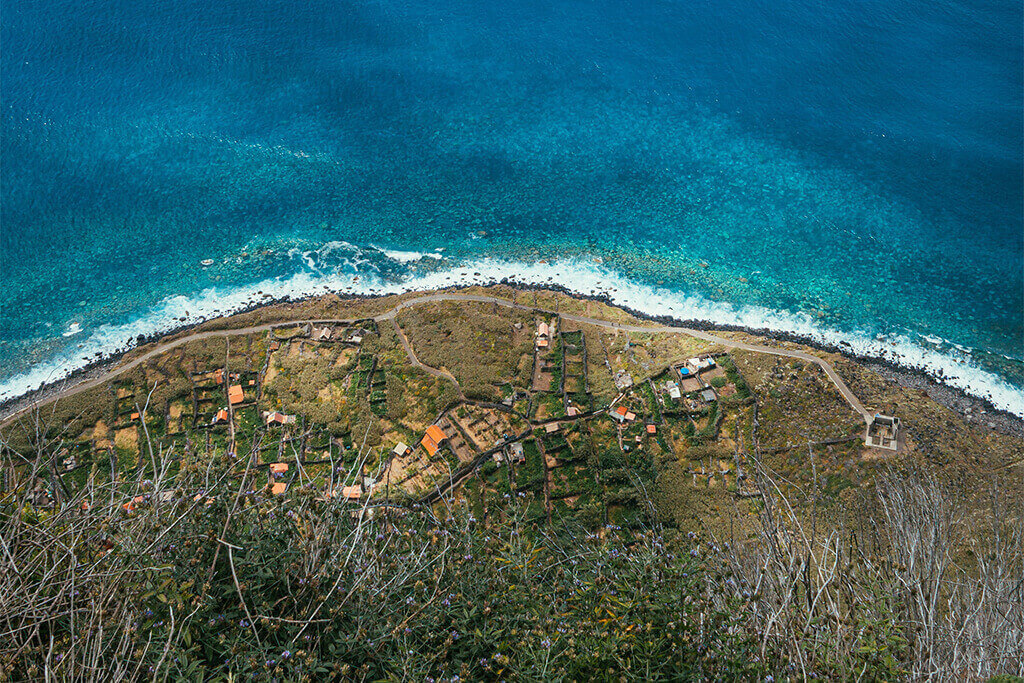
x=407, y=256
x=73, y=329
x=581, y=277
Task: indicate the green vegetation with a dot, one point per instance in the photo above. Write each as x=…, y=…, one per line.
x=742, y=389
x=480, y=346
x=730, y=544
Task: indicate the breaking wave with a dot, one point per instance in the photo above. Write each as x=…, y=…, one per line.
x=346, y=269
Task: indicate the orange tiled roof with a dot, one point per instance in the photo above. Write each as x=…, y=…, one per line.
x=279, y=467
x=436, y=434
x=429, y=444
x=279, y=488
x=235, y=394
x=621, y=410
x=651, y=429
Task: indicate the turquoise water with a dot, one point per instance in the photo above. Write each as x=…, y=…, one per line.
x=851, y=171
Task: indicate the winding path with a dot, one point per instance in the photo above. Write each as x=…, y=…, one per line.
x=392, y=315
x=416, y=361
x=850, y=397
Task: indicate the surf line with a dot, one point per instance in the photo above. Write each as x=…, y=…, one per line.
x=392, y=313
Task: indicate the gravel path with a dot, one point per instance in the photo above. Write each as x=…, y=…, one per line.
x=392, y=314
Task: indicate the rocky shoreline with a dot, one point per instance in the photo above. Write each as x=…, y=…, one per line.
x=977, y=411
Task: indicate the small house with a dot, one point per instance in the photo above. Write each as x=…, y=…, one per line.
x=279, y=488
x=701, y=363
x=551, y=427
x=619, y=414
x=235, y=394
x=433, y=439
x=623, y=380
x=134, y=503
x=708, y=395
x=883, y=432
x=279, y=418
x=221, y=417
x=543, y=335
x=400, y=449
x=321, y=334
x=518, y=454
x=437, y=434
x=652, y=429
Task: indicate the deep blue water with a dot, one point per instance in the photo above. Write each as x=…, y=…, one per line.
x=853, y=164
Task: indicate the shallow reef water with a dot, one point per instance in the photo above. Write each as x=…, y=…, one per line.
x=788, y=164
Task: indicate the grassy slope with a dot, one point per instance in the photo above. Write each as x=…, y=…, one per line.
x=690, y=471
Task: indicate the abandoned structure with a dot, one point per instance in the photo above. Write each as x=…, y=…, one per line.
x=883, y=432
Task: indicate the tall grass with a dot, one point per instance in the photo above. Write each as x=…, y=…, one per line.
x=926, y=589
x=189, y=569
x=202, y=576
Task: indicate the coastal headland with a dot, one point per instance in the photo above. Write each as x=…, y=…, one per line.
x=276, y=312
x=359, y=447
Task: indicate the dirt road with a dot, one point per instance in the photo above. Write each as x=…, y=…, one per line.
x=392, y=314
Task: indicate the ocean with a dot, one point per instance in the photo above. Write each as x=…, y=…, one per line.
x=848, y=171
